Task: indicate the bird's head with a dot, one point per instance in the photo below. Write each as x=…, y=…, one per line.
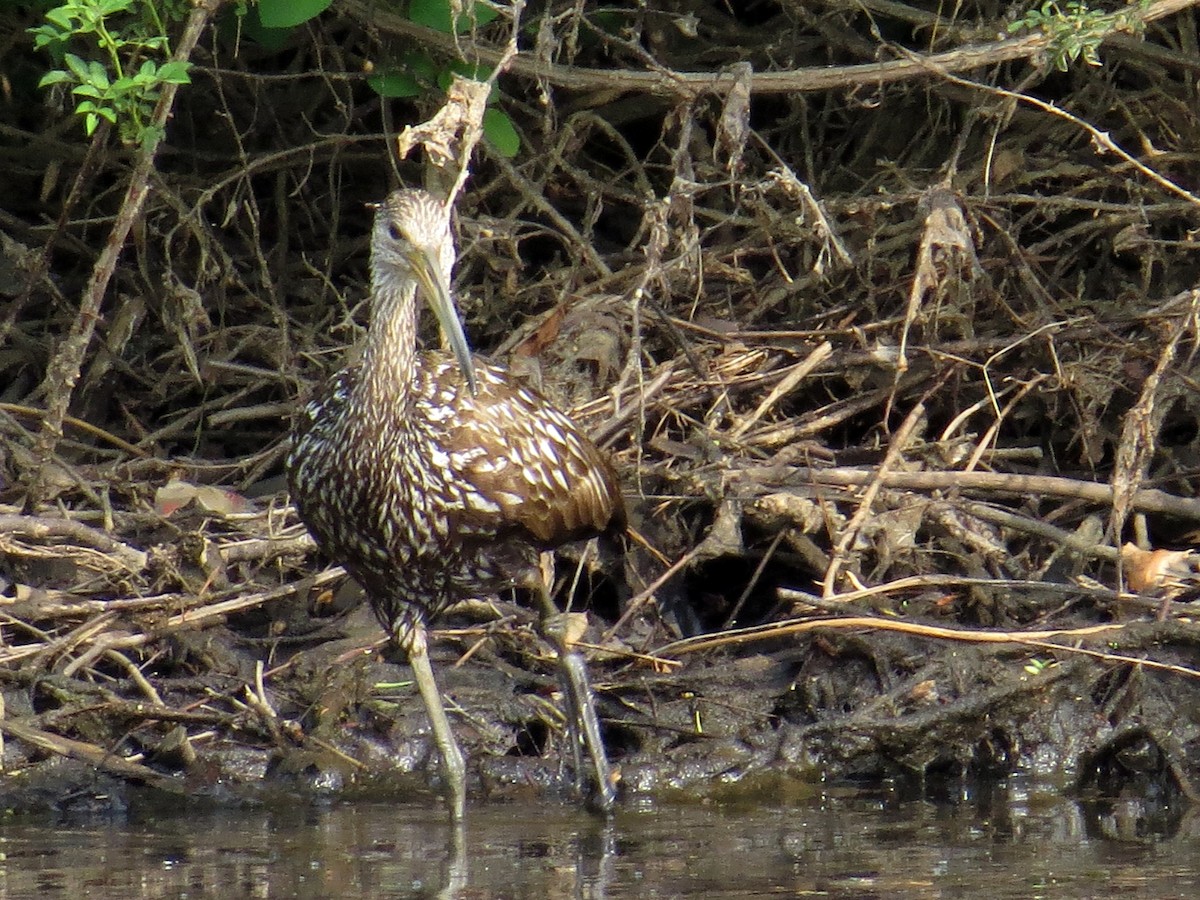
x=412, y=246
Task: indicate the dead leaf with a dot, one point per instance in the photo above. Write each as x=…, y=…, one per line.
x=733, y=127
x=544, y=335
x=1165, y=572
x=175, y=495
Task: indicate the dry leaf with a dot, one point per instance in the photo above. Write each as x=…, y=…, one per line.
x=1166, y=572
x=544, y=335
x=175, y=495
x=733, y=127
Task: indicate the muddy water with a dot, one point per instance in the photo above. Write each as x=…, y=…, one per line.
x=1015, y=842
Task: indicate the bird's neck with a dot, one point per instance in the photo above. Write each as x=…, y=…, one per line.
x=389, y=361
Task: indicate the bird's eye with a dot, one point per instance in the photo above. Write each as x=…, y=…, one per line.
x=394, y=232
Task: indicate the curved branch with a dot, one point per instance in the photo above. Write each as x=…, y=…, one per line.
x=689, y=85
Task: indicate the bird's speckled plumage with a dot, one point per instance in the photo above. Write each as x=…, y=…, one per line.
x=427, y=491
x=456, y=498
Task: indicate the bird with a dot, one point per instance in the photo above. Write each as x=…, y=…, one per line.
x=434, y=477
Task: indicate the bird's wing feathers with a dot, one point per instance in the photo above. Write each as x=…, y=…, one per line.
x=524, y=464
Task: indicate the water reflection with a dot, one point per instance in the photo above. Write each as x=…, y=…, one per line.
x=1019, y=842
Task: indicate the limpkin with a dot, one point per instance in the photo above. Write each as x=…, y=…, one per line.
x=434, y=478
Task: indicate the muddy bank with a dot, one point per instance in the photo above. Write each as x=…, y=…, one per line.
x=222, y=715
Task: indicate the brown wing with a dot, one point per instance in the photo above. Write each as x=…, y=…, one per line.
x=526, y=465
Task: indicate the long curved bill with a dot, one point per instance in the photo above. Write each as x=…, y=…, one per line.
x=436, y=287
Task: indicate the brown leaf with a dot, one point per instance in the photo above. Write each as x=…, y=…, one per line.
x=543, y=336
x=1164, y=571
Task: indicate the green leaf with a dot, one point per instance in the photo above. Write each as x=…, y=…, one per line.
x=92, y=114
x=97, y=74
x=151, y=135
x=422, y=66
x=396, y=84
x=77, y=66
x=111, y=7
x=89, y=19
x=55, y=76
x=500, y=132
x=175, y=72
x=43, y=36
x=62, y=17
x=436, y=14
x=249, y=27
x=287, y=13
x=433, y=14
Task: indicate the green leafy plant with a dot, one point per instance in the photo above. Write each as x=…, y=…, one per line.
x=123, y=84
x=440, y=15
x=416, y=74
x=1076, y=31
x=1037, y=666
x=288, y=13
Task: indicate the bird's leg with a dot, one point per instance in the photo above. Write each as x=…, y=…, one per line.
x=411, y=639
x=563, y=630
